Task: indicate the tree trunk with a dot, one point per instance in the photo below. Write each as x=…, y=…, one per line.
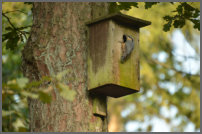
x=58, y=42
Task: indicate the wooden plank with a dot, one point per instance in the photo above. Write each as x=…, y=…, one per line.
x=121, y=18
x=100, y=105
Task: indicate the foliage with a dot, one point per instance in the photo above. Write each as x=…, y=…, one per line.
x=156, y=75
x=15, y=93
x=15, y=34
x=184, y=11
x=16, y=89
x=16, y=18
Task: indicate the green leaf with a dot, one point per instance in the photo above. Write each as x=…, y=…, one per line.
x=66, y=92
x=179, y=9
x=188, y=7
x=134, y=4
x=7, y=113
x=22, y=129
x=12, y=38
x=12, y=43
x=179, y=23
x=127, y=5
x=167, y=18
x=45, y=97
x=166, y=27
x=18, y=123
x=196, y=23
x=34, y=84
x=13, y=88
x=22, y=82
x=196, y=13
x=150, y=4
x=9, y=28
x=7, y=36
x=29, y=94
x=61, y=74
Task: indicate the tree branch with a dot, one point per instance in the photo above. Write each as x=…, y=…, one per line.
x=9, y=21
x=17, y=29
x=186, y=57
x=174, y=69
x=16, y=11
x=152, y=61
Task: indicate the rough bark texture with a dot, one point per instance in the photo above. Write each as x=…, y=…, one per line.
x=58, y=42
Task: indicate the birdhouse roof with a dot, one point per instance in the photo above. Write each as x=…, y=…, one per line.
x=123, y=19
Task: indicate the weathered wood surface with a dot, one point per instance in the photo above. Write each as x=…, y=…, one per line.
x=104, y=67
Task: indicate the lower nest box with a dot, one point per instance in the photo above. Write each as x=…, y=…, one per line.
x=113, y=55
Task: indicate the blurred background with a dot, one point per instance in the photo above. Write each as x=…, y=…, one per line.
x=169, y=98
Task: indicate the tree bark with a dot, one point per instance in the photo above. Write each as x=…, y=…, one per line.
x=58, y=42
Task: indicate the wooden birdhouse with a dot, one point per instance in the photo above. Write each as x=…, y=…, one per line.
x=113, y=55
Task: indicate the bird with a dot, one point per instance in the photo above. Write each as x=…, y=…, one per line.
x=127, y=47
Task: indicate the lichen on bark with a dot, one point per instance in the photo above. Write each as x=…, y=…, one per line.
x=58, y=42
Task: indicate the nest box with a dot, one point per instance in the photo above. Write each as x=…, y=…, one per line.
x=113, y=55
